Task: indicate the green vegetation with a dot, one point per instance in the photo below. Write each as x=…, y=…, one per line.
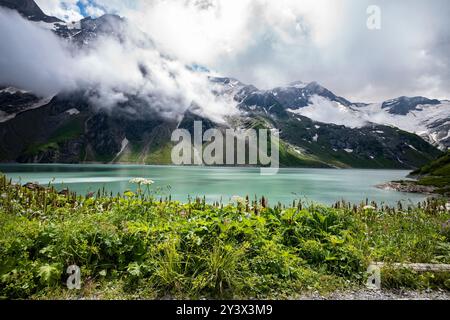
x=69, y=131
x=289, y=157
x=159, y=153
x=436, y=174
x=138, y=246
x=341, y=147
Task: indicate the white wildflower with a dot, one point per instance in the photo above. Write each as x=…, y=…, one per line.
x=369, y=208
x=447, y=206
x=142, y=181
x=238, y=200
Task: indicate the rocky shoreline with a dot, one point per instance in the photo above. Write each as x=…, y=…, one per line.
x=407, y=186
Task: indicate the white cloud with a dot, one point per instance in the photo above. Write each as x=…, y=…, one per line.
x=32, y=58
x=270, y=43
x=65, y=9
x=35, y=59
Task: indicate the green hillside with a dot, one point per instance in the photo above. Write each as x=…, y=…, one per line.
x=436, y=174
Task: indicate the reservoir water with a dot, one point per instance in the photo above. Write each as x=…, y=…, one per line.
x=319, y=185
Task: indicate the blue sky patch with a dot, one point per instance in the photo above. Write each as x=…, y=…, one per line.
x=90, y=3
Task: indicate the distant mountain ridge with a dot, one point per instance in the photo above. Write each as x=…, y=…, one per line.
x=428, y=118
x=404, y=105
x=29, y=9
x=318, y=128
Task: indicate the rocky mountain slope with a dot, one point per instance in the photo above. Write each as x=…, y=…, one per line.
x=427, y=118
x=29, y=9
x=318, y=128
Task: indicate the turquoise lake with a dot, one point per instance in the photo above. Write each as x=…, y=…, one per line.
x=319, y=185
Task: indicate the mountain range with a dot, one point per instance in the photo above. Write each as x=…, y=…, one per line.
x=317, y=127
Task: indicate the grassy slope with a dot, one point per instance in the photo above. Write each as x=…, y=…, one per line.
x=158, y=154
x=436, y=173
x=134, y=247
x=71, y=130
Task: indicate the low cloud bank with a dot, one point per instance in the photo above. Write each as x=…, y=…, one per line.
x=131, y=72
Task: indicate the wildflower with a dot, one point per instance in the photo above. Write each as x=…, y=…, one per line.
x=129, y=194
x=369, y=208
x=447, y=206
x=142, y=181
x=238, y=200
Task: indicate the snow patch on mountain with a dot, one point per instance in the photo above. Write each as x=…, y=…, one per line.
x=12, y=90
x=324, y=110
x=73, y=112
x=432, y=121
x=316, y=138
x=125, y=143
x=5, y=117
x=52, y=26
x=298, y=84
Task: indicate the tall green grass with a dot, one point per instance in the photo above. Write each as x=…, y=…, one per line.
x=140, y=246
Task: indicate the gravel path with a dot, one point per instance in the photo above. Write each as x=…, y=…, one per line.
x=382, y=295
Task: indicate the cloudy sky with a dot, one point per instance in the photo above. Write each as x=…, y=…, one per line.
x=270, y=43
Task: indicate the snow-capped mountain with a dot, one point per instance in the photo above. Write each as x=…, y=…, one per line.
x=298, y=94
x=318, y=128
x=88, y=29
x=404, y=105
x=80, y=32
x=427, y=118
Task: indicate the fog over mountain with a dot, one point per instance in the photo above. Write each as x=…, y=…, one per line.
x=273, y=43
x=112, y=66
